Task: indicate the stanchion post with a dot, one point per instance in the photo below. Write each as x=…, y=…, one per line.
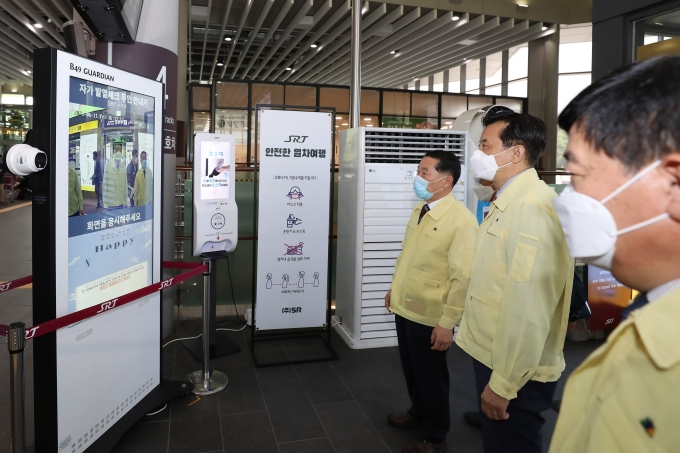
x=207, y=382
x=16, y=341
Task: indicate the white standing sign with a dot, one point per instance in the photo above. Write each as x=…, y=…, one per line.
x=293, y=230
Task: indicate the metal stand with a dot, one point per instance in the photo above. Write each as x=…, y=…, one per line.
x=16, y=341
x=207, y=382
x=220, y=345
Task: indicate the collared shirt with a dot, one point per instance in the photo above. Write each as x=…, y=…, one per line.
x=432, y=272
x=508, y=182
x=517, y=305
x=115, y=184
x=624, y=396
x=432, y=204
x=75, y=194
x=662, y=290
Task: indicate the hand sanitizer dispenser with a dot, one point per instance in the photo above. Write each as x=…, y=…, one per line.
x=215, y=210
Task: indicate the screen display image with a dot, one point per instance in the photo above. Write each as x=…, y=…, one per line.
x=607, y=297
x=216, y=169
x=117, y=219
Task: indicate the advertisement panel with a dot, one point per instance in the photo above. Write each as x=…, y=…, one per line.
x=105, y=245
x=293, y=231
x=607, y=297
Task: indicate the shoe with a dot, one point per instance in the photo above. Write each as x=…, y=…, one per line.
x=474, y=419
x=423, y=446
x=403, y=420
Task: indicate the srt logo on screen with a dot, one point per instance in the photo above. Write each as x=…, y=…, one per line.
x=107, y=306
x=296, y=138
x=166, y=283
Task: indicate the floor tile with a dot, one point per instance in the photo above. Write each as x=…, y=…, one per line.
x=243, y=391
x=349, y=430
x=291, y=412
x=248, y=433
x=274, y=374
x=308, y=446
x=397, y=439
x=322, y=383
x=375, y=398
x=145, y=438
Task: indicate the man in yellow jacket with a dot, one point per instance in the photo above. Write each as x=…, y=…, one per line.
x=427, y=295
x=115, y=183
x=622, y=213
x=517, y=305
x=143, y=188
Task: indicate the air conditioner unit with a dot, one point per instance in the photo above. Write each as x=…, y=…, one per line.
x=375, y=200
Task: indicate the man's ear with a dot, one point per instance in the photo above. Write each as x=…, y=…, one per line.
x=519, y=153
x=671, y=165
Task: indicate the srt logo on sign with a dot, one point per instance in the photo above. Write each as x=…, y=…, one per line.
x=107, y=306
x=30, y=333
x=296, y=138
x=5, y=287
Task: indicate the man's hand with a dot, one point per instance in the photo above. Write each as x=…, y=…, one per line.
x=494, y=406
x=388, y=299
x=441, y=338
x=82, y=212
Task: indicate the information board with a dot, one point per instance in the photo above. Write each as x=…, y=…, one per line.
x=105, y=227
x=293, y=213
x=607, y=298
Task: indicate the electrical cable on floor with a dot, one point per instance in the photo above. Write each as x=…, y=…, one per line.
x=231, y=286
x=180, y=339
x=158, y=411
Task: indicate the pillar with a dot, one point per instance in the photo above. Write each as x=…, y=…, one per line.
x=505, y=67
x=154, y=55
x=446, y=81
x=482, y=75
x=463, y=78
x=542, y=93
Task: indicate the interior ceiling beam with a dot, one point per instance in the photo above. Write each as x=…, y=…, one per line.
x=326, y=55
x=227, y=10
x=12, y=72
x=534, y=32
x=15, y=43
x=205, y=39
x=345, y=50
x=49, y=13
x=325, y=8
x=39, y=20
x=412, y=33
x=398, y=65
x=21, y=62
x=244, y=16
x=21, y=29
x=253, y=34
x=18, y=68
x=282, y=14
x=306, y=6
x=66, y=12
x=344, y=8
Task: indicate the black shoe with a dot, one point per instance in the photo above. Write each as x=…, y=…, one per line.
x=474, y=419
x=403, y=420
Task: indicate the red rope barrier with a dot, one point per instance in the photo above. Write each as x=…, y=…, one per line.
x=58, y=323
x=18, y=283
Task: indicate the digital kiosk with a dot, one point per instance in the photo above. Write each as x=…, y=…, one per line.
x=96, y=237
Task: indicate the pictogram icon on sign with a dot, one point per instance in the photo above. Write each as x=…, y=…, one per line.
x=294, y=249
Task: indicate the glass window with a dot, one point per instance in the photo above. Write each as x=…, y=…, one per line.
x=518, y=88
x=370, y=101
x=396, y=103
x=405, y=122
x=297, y=95
x=651, y=39
x=495, y=90
x=518, y=62
x=656, y=28
x=569, y=86
x=447, y=123
x=453, y=106
x=515, y=104
x=335, y=97
x=369, y=121
x=230, y=94
x=267, y=94
x=454, y=87
x=234, y=122
x=494, y=70
x=201, y=97
x=576, y=57
x=200, y=122
x=475, y=102
x=472, y=77
x=425, y=105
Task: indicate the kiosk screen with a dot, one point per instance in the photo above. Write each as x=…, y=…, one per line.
x=216, y=168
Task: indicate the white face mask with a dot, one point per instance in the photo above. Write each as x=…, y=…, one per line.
x=484, y=193
x=590, y=229
x=485, y=165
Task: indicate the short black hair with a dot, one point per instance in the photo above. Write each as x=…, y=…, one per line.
x=633, y=114
x=520, y=129
x=134, y=152
x=95, y=154
x=143, y=152
x=448, y=163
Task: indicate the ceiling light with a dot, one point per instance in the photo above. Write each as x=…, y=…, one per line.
x=544, y=28
x=14, y=90
x=465, y=59
x=345, y=124
x=455, y=17
x=658, y=23
x=448, y=122
x=369, y=125
x=338, y=117
x=336, y=126
x=227, y=39
x=393, y=52
x=220, y=64
x=313, y=46
x=367, y=119
x=289, y=69
x=28, y=72
x=364, y=8
x=522, y=5
x=37, y=25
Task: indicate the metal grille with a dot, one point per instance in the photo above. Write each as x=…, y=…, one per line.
x=397, y=146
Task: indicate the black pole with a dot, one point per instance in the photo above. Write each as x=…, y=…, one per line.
x=16, y=341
